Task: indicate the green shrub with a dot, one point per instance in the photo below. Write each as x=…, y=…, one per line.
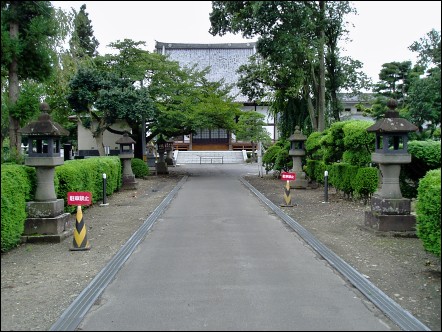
x=365, y=182
x=277, y=156
x=15, y=189
x=428, y=211
x=425, y=156
x=139, y=168
x=87, y=175
x=313, y=147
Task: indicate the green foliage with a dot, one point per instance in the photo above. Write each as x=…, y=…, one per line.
x=428, y=211
x=315, y=170
x=313, y=146
x=139, y=167
x=87, y=175
x=15, y=190
x=269, y=157
x=292, y=37
x=425, y=156
x=250, y=127
x=37, y=27
x=83, y=41
x=365, y=182
x=333, y=142
x=341, y=176
x=277, y=156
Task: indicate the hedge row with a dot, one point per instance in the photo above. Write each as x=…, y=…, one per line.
x=16, y=190
x=350, y=179
x=87, y=175
x=428, y=211
x=19, y=184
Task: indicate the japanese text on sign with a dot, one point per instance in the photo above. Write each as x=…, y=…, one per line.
x=79, y=198
x=288, y=176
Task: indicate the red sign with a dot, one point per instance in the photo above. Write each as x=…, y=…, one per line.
x=79, y=198
x=288, y=176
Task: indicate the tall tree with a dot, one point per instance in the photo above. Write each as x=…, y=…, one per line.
x=425, y=93
x=27, y=31
x=83, y=43
x=146, y=88
x=250, y=127
x=292, y=36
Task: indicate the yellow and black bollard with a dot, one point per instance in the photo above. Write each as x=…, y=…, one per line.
x=287, y=195
x=80, y=237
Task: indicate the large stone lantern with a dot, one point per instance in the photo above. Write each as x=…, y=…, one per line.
x=126, y=155
x=46, y=218
x=389, y=210
x=161, y=165
x=297, y=151
x=169, y=152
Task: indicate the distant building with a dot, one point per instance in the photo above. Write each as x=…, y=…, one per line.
x=224, y=61
x=350, y=104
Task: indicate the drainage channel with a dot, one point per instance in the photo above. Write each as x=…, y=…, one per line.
x=391, y=309
x=75, y=313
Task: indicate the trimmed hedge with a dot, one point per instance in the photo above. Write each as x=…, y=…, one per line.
x=19, y=185
x=428, y=211
x=87, y=175
x=139, y=167
x=16, y=189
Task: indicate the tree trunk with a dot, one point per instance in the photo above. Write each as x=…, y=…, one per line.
x=14, y=123
x=311, y=112
x=321, y=92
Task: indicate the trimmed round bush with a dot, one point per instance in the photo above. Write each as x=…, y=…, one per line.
x=139, y=168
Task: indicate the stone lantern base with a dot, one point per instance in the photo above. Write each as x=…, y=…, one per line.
x=47, y=222
x=300, y=182
x=390, y=215
x=129, y=182
x=161, y=167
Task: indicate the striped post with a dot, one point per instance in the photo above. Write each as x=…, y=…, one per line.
x=80, y=238
x=287, y=195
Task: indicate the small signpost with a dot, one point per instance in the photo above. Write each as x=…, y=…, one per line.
x=286, y=176
x=80, y=241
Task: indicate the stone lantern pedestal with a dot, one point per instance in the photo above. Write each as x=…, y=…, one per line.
x=297, y=152
x=389, y=211
x=169, y=153
x=161, y=163
x=126, y=155
x=47, y=221
x=151, y=158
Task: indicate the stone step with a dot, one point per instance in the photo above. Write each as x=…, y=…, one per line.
x=209, y=157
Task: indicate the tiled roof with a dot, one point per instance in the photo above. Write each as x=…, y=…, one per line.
x=223, y=60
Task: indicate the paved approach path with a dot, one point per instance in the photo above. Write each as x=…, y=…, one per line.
x=218, y=259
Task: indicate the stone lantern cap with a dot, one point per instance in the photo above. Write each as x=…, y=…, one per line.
x=392, y=123
x=297, y=135
x=44, y=126
x=125, y=139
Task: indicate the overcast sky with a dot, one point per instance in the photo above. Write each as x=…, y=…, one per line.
x=382, y=30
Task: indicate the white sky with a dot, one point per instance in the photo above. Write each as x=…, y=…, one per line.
x=382, y=30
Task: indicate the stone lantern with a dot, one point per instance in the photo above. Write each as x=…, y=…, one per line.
x=151, y=155
x=169, y=152
x=389, y=210
x=297, y=151
x=126, y=155
x=46, y=218
x=161, y=148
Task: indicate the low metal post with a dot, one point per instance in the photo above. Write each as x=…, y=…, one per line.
x=104, y=191
x=326, y=187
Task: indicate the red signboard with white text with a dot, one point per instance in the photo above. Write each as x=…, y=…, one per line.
x=79, y=198
x=288, y=176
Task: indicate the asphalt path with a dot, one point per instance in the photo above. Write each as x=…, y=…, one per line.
x=218, y=259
